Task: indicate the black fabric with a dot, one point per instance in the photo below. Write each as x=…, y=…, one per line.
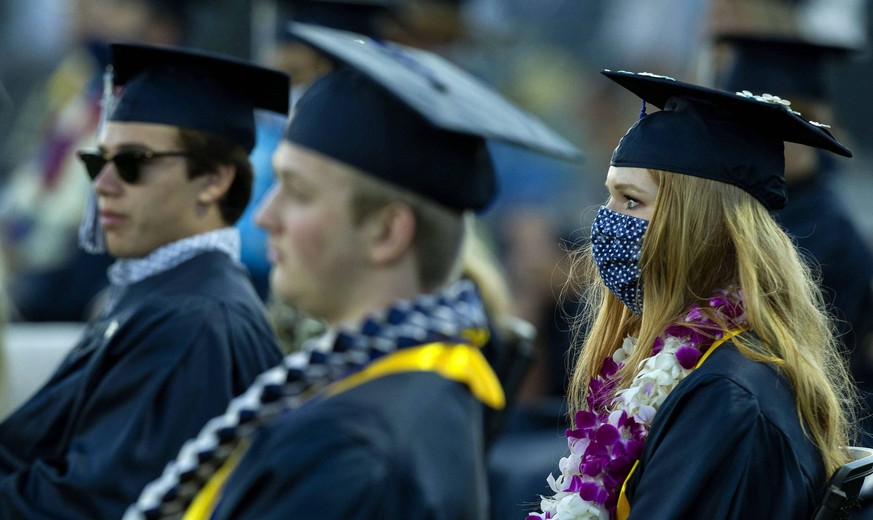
x=349, y=118
x=685, y=139
x=787, y=68
x=404, y=446
x=450, y=98
x=140, y=382
x=356, y=16
x=735, y=138
x=194, y=90
x=727, y=444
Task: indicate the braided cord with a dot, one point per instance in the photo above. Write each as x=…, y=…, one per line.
x=441, y=316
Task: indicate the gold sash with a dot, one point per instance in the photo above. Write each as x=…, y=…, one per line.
x=459, y=362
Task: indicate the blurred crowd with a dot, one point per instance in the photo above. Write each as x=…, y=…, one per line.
x=543, y=54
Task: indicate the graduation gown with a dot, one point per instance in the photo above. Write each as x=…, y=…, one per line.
x=727, y=444
x=404, y=446
x=142, y=380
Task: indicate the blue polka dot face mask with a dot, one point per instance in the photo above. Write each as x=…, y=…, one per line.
x=616, y=239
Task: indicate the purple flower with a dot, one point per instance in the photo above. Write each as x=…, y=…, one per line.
x=694, y=314
x=634, y=448
x=607, y=435
x=593, y=493
x=595, y=450
x=609, y=368
x=619, y=467
x=687, y=357
x=592, y=467
x=585, y=419
x=657, y=345
x=677, y=331
x=717, y=302
x=575, y=485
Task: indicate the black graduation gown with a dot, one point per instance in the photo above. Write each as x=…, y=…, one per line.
x=141, y=381
x=727, y=444
x=404, y=446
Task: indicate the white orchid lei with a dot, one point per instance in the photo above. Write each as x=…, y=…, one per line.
x=611, y=434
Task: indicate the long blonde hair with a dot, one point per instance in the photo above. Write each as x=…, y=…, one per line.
x=705, y=236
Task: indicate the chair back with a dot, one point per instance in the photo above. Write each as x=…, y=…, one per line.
x=841, y=497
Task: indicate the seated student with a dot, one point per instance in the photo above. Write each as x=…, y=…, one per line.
x=382, y=417
x=710, y=383
x=183, y=331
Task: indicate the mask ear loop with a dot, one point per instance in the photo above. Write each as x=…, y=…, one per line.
x=643, y=110
x=91, y=237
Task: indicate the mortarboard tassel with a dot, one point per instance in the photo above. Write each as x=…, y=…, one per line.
x=91, y=237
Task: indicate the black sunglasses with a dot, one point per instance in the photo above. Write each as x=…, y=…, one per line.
x=126, y=162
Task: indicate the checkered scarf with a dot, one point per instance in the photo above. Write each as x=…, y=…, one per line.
x=442, y=316
x=129, y=271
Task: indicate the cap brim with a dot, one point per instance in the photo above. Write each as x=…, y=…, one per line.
x=778, y=120
x=442, y=93
x=265, y=88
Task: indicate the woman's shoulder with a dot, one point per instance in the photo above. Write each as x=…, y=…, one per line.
x=740, y=389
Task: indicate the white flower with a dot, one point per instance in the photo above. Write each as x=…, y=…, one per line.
x=646, y=414
x=570, y=464
x=624, y=352
x=649, y=74
x=572, y=507
x=578, y=446
x=766, y=98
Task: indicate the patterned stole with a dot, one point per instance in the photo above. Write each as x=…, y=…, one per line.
x=432, y=332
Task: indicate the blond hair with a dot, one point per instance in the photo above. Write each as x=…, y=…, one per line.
x=439, y=229
x=705, y=236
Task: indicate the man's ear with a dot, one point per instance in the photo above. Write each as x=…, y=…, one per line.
x=390, y=233
x=216, y=183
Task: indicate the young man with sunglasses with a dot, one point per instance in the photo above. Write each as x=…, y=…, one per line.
x=182, y=331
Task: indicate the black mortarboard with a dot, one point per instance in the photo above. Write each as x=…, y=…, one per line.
x=736, y=138
x=411, y=118
x=194, y=90
x=837, y=24
x=361, y=16
x=786, y=68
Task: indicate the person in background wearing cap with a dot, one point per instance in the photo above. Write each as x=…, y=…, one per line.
x=380, y=418
x=815, y=217
x=710, y=384
x=386, y=19
x=183, y=331
x=304, y=65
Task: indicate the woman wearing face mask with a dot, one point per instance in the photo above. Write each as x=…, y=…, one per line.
x=709, y=384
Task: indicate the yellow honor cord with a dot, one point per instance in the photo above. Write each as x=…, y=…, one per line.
x=458, y=362
x=204, y=503
x=622, y=508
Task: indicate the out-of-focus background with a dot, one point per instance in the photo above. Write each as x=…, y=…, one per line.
x=543, y=54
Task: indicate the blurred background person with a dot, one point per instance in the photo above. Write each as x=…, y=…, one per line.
x=789, y=51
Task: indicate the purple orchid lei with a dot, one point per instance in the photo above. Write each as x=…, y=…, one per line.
x=611, y=434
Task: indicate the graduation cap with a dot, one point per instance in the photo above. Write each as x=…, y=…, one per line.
x=411, y=118
x=360, y=16
x=736, y=138
x=194, y=90
x=787, y=68
x=838, y=24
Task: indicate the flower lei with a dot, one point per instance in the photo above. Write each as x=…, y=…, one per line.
x=611, y=434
